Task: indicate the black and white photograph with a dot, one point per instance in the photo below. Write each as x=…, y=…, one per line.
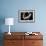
x=26, y=16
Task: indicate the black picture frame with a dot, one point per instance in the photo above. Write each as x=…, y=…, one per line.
x=26, y=16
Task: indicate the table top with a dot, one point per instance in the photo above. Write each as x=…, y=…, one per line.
x=22, y=35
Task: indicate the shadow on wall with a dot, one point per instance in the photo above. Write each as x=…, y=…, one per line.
x=2, y=21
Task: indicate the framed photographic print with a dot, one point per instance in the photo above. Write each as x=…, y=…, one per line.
x=26, y=16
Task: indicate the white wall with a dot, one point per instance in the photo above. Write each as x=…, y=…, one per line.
x=10, y=8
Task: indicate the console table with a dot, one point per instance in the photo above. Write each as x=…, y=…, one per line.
x=21, y=39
